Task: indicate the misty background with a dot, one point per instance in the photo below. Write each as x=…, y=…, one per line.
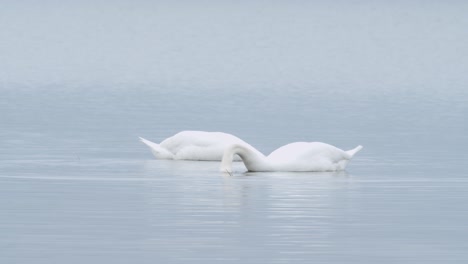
x=384, y=74
x=371, y=45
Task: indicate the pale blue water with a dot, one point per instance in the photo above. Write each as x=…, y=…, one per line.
x=79, y=82
x=77, y=186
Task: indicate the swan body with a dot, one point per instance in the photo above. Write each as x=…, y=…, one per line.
x=194, y=145
x=298, y=156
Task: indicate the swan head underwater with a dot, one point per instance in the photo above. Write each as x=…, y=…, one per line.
x=298, y=156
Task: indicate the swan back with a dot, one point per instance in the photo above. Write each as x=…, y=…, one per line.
x=306, y=151
x=194, y=145
x=198, y=138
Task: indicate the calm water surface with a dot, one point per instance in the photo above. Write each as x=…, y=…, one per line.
x=76, y=186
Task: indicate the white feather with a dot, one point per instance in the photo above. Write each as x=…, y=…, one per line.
x=298, y=156
x=194, y=145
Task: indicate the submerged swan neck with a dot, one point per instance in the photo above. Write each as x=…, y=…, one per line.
x=252, y=158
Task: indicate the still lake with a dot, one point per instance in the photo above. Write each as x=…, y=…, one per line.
x=76, y=185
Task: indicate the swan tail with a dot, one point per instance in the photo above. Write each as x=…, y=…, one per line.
x=158, y=151
x=353, y=151
x=148, y=143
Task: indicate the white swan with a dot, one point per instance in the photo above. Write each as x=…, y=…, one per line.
x=299, y=156
x=194, y=145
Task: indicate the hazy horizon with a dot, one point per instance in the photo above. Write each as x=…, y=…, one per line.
x=220, y=45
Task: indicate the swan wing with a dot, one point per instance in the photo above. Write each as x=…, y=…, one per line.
x=300, y=152
x=200, y=145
